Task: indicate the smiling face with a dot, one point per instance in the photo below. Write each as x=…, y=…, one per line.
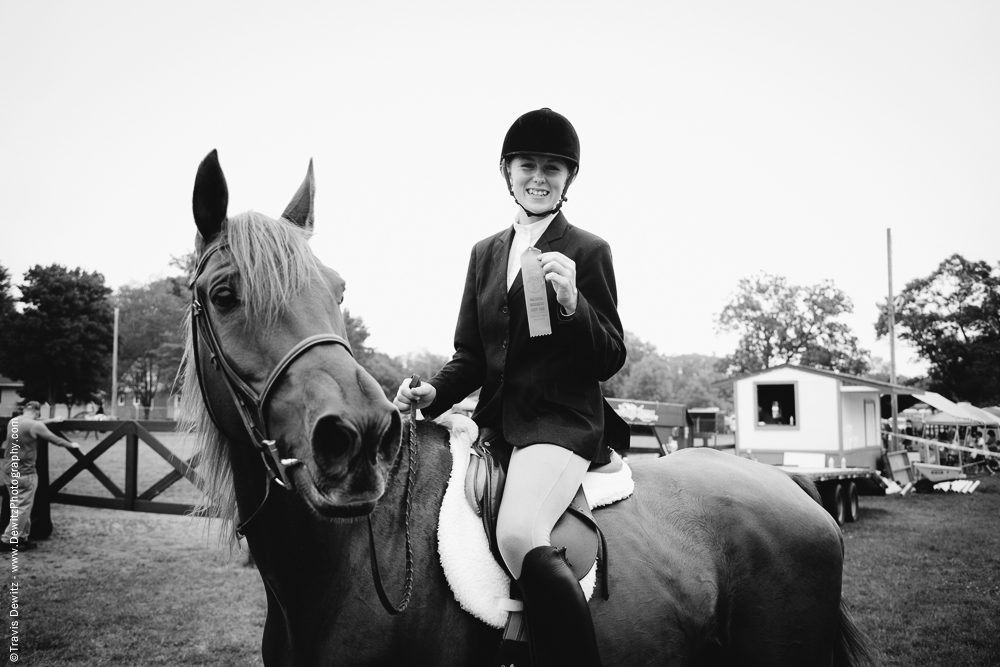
x=538, y=181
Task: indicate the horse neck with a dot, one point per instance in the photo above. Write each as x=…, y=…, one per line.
x=414, y=509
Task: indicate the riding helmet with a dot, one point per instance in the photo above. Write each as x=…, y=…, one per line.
x=542, y=132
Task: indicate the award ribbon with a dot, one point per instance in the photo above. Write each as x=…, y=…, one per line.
x=535, y=300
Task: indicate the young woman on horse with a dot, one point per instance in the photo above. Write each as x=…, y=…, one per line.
x=539, y=369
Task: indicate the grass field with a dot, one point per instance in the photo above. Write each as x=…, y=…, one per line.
x=922, y=576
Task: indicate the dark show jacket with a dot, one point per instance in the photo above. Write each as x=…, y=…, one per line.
x=544, y=389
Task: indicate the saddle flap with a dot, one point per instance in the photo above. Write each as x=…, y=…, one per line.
x=475, y=481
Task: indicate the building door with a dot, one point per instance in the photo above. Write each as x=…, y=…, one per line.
x=871, y=425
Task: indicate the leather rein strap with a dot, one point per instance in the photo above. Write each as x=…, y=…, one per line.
x=411, y=447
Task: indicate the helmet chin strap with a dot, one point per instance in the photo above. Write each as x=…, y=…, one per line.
x=562, y=197
x=542, y=214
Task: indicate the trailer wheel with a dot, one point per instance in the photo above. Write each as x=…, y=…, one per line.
x=850, y=502
x=833, y=501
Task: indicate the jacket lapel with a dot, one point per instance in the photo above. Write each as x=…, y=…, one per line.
x=552, y=238
x=501, y=252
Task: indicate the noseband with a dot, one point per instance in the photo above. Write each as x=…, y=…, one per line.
x=249, y=404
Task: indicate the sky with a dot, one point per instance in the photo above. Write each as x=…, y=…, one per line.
x=719, y=140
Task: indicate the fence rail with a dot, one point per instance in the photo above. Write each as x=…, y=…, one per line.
x=131, y=498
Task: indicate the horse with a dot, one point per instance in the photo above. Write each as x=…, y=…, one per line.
x=714, y=560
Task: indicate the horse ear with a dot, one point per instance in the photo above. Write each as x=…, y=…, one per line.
x=300, y=210
x=211, y=197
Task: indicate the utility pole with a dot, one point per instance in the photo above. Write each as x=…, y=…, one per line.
x=891, y=308
x=114, y=369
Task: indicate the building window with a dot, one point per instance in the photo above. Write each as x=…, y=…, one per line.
x=777, y=404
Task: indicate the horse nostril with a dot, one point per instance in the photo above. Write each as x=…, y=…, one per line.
x=333, y=439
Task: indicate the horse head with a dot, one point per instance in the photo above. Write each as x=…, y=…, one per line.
x=274, y=372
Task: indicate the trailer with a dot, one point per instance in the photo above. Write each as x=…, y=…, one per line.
x=818, y=423
x=840, y=487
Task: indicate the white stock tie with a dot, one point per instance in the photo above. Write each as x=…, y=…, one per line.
x=522, y=241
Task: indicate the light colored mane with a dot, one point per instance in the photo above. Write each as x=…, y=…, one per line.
x=273, y=259
x=274, y=263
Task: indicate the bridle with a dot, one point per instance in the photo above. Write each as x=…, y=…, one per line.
x=250, y=405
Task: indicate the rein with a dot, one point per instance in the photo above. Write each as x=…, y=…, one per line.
x=411, y=447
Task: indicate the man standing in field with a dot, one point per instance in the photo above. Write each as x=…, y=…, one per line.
x=19, y=473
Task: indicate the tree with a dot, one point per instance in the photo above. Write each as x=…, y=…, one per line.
x=425, y=364
x=150, y=340
x=187, y=264
x=8, y=310
x=781, y=323
x=882, y=371
x=387, y=371
x=59, y=346
x=650, y=376
x=649, y=379
x=694, y=377
x=357, y=334
x=952, y=317
x=636, y=349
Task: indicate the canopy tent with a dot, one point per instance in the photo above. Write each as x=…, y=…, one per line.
x=944, y=419
x=986, y=417
x=956, y=414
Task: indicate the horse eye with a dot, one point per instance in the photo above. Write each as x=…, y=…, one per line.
x=224, y=298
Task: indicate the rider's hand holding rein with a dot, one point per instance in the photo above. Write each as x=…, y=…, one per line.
x=560, y=270
x=422, y=395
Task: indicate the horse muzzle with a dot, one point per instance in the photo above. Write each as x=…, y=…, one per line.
x=350, y=465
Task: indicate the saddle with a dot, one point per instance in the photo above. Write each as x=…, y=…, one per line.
x=576, y=531
x=477, y=577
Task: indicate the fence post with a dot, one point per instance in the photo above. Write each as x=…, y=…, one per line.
x=131, y=466
x=41, y=512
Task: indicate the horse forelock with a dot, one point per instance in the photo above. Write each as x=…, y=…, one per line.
x=273, y=260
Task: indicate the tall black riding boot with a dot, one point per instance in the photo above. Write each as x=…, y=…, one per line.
x=560, y=630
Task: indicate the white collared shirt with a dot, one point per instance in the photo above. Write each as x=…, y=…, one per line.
x=525, y=236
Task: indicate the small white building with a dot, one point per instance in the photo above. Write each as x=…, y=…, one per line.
x=9, y=396
x=799, y=415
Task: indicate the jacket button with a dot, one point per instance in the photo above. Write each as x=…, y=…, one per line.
x=504, y=310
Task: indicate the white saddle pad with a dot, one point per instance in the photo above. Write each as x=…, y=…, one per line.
x=477, y=581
